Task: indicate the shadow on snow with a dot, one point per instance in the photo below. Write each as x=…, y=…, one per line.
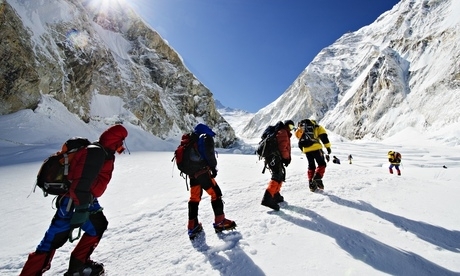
x=236, y=262
x=438, y=236
x=364, y=248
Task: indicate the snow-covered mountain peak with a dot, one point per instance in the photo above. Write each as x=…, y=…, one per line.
x=400, y=71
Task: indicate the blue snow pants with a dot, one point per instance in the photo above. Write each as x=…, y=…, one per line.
x=59, y=230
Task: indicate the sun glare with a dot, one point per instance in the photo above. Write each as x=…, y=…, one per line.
x=109, y=2
x=77, y=39
x=102, y=5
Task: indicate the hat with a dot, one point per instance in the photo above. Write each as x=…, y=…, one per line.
x=113, y=137
x=203, y=129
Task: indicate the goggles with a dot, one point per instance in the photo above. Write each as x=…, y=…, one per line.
x=291, y=127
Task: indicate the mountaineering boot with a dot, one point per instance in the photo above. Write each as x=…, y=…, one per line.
x=312, y=185
x=192, y=233
x=221, y=223
x=278, y=198
x=225, y=224
x=194, y=228
x=319, y=184
x=391, y=171
x=269, y=201
x=90, y=268
x=318, y=181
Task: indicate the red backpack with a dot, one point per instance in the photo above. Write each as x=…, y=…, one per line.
x=187, y=156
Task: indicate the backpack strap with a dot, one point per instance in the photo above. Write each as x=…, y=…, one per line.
x=66, y=165
x=202, y=147
x=97, y=144
x=272, y=161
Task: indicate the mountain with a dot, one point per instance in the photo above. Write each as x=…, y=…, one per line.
x=86, y=54
x=400, y=71
x=237, y=118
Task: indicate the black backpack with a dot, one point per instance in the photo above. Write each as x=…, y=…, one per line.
x=187, y=156
x=308, y=137
x=52, y=176
x=268, y=146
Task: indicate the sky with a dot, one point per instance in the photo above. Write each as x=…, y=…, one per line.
x=249, y=52
x=366, y=222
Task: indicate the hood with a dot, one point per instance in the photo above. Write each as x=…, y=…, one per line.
x=203, y=129
x=113, y=137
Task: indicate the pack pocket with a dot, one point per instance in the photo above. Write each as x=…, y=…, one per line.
x=305, y=143
x=55, y=188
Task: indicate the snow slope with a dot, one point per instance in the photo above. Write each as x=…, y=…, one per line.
x=367, y=222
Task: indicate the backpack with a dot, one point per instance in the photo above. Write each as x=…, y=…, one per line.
x=187, y=156
x=308, y=136
x=398, y=157
x=52, y=176
x=268, y=145
x=394, y=156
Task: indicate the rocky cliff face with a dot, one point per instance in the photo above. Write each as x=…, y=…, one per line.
x=17, y=69
x=73, y=51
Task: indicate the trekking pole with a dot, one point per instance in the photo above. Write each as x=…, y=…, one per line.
x=437, y=176
x=172, y=167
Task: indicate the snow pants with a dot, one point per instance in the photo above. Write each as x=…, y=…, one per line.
x=278, y=172
x=198, y=184
x=396, y=166
x=315, y=157
x=58, y=234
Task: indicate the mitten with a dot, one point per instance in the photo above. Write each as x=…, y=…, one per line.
x=213, y=172
x=80, y=216
x=328, y=150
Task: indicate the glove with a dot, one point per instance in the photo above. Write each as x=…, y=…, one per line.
x=286, y=162
x=80, y=216
x=328, y=150
x=213, y=172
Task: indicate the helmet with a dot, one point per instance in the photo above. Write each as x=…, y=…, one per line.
x=290, y=124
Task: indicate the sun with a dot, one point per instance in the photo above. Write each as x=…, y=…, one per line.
x=111, y=2
x=103, y=5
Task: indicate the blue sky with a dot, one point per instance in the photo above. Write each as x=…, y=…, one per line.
x=248, y=52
